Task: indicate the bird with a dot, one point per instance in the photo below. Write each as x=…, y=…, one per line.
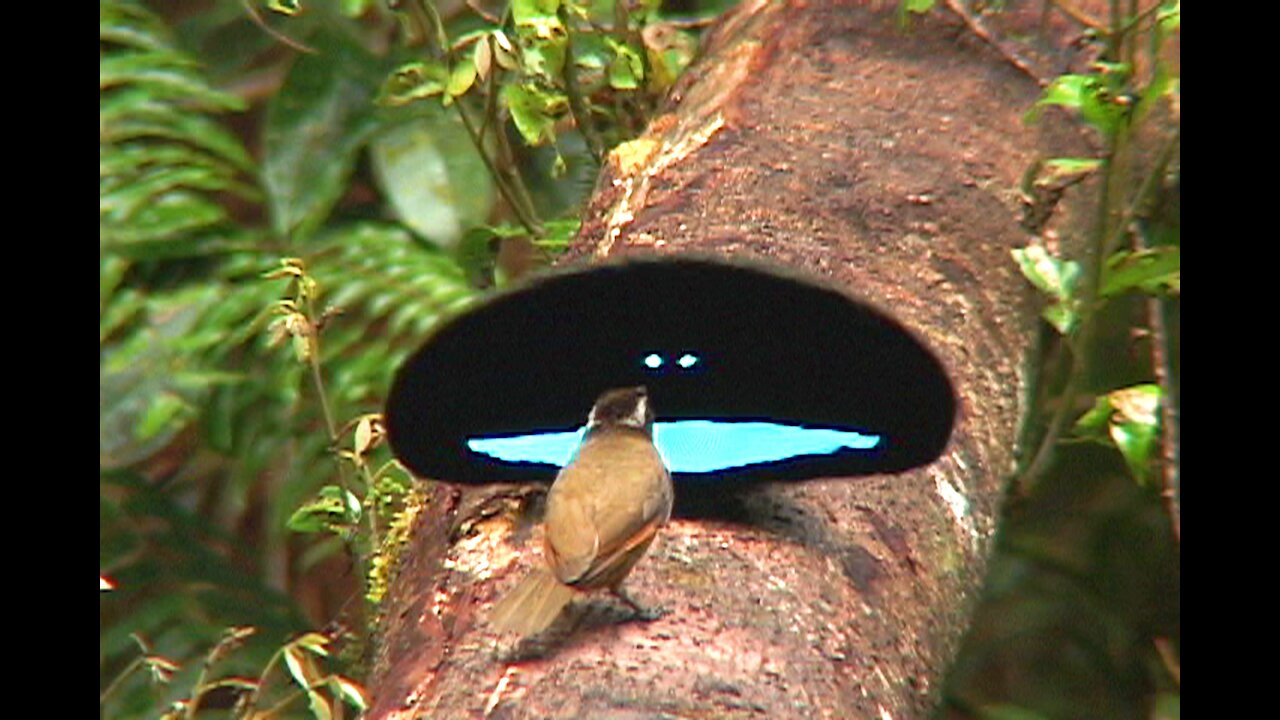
x=602, y=513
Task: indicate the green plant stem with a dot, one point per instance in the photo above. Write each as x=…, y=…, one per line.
x=1137, y=207
x=124, y=674
x=372, y=495
x=1080, y=16
x=1139, y=17
x=251, y=701
x=1081, y=343
x=275, y=710
x=577, y=104
x=1111, y=233
x=490, y=115
x=508, y=166
x=516, y=200
x=511, y=188
x=317, y=381
x=433, y=15
x=358, y=556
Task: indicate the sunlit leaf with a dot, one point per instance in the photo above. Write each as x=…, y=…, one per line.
x=1170, y=16
x=285, y=7
x=351, y=691
x=1095, y=97
x=1152, y=270
x=314, y=642
x=1129, y=419
x=534, y=111
x=626, y=70
x=414, y=81
x=1056, y=278
x=461, y=79
x=1063, y=169
x=333, y=509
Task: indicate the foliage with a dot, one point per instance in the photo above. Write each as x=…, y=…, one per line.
x=253, y=304
x=1129, y=253
x=1082, y=602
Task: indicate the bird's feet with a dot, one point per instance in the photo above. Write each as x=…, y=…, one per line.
x=639, y=612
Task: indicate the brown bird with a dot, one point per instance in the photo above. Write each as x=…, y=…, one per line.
x=603, y=511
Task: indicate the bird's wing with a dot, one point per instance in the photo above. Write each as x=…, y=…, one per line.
x=589, y=529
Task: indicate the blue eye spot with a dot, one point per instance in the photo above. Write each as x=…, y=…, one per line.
x=687, y=360
x=653, y=361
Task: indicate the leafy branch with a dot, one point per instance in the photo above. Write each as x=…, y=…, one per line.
x=1117, y=102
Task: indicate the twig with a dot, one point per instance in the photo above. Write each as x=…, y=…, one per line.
x=523, y=213
x=577, y=104
x=978, y=28
x=258, y=20
x=1169, y=449
x=1162, y=364
x=1079, y=15
x=488, y=16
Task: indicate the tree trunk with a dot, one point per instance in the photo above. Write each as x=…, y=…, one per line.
x=824, y=138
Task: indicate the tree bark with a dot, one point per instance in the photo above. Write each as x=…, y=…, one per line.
x=824, y=138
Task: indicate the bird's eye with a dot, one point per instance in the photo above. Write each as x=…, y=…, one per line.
x=687, y=360
x=653, y=361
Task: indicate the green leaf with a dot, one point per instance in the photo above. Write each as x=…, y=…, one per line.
x=626, y=70
x=1170, y=16
x=433, y=177
x=350, y=691
x=907, y=8
x=1129, y=419
x=461, y=79
x=414, y=81
x=534, y=111
x=545, y=57
x=1059, y=170
x=1095, y=97
x=542, y=36
x=535, y=14
x=1154, y=270
x=163, y=74
x=319, y=706
x=315, y=126
x=132, y=114
x=332, y=510
x=285, y=7
x=557, y=234
x=145, y=399
x=131, y=26
x=1056, y=278
x=1135, y=426
x=313, y=642
x=296, y=663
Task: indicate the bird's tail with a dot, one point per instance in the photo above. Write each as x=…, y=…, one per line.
x=533, y=605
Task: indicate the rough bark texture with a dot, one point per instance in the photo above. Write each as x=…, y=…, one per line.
x=824, y=138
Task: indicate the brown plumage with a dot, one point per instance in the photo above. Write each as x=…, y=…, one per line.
x=603, y=512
